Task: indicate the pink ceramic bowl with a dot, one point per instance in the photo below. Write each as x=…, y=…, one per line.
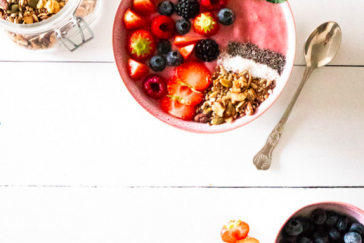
x=339, y=207
x=153, y=107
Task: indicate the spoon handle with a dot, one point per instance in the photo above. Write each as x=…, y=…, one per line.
x=263, y=159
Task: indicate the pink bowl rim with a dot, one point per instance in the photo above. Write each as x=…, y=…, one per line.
x=318, y=204
x=218, y=129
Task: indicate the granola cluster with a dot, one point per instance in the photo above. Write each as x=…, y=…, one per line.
x=231, y=96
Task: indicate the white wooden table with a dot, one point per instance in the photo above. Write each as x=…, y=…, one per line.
x=81, y=161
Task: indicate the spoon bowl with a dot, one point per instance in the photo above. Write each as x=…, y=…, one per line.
x=323, y=44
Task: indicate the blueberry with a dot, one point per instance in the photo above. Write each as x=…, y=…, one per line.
x=332, y=219
x=294, y=227
x=226, y=16
x=318, y=216
x=334, y=234
x=174, y=58
x=183, y=26
x=166, y=8
x=308, y=226
x=304, y=239
x=357, y=227
x=164, y=46
x=157, y=63
x=352, y=237
x=343, y=223
x=321, y=237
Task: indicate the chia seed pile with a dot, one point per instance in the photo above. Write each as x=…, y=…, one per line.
x=250, y=51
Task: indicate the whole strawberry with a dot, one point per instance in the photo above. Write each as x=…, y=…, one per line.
x=206, y=24
x=141, y=45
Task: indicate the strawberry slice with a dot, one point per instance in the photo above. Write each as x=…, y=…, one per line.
x=141, y=45
x=144, y=6
x=137, y=70
x=183, y=93
x=187, y=51
x=194, y=74
x=172, y=106
x=185, y=41
x=133, y=20
x=206, y=24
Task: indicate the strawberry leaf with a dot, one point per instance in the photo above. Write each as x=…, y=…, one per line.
x=276, y=1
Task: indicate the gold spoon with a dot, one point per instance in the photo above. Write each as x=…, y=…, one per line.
x=320, y=48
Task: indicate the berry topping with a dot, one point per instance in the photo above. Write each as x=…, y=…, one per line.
x=235, y=230
x=207, y=50
x=321, y=237
x=343, y=223
x=136, y=69
x=248, y=240
x=164, y=46
x=143, y=6
x=206, y=24
x=334, y=234
x=357, y=227
x=293, y=227
x=195, y=75
x=183, y=26
x=318, y=216
x=157, y=63
x=226, y=16
x=185, y=41
x=304, y=239
x=187, y=51
x=166, y=8
x=213, y=4
x=352, y=237
x=163, y=27
x=188, y=8
x=141, y=45
x=133, y=20
x=332, y=219
x=174, y=58
x=155, y=86
x=183, y=93
x=171, y=105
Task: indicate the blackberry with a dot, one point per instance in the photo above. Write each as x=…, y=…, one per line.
x=207, y=50
x=188, y=8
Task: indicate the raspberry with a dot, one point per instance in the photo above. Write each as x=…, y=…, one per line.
x=155, y=86
x=188, y=8
x=207, y=50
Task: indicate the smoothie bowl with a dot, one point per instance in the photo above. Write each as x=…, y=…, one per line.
x=204, y=66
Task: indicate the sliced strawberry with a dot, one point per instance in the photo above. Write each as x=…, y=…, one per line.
x=141, y=45
x=194, y=74
x=187, y=51
x=137, y=70
x=248, y=240
x=144, y=6
x=206, y=24
x=213, y=4
x=133, y=20
x=163, y=27
x=177, y=109
x=183, y=93
x=185, y=41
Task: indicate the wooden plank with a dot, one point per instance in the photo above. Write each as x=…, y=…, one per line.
x=72, y=124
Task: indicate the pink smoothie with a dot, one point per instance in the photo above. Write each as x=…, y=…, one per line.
x=257, y=21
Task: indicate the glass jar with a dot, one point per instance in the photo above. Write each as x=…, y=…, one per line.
x=69, y=27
